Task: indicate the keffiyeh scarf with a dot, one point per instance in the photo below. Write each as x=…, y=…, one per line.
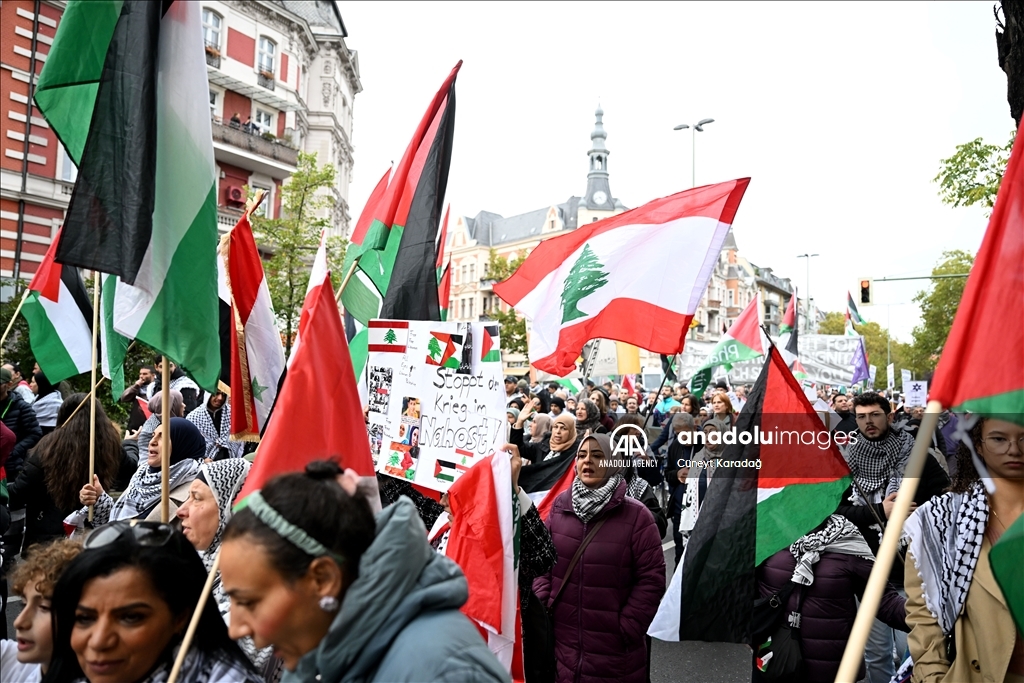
x=637, y=487
x=839, y=535
x=945, y=536
x=203, y=666
x=877, y=466
x=587, y=502
x=215, y=438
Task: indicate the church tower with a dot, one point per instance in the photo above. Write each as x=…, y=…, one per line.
x=599, y=194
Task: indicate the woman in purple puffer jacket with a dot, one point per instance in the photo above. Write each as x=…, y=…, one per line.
x=601, y=616
x=831, y=566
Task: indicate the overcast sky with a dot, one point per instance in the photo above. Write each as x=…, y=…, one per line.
x=839, y=112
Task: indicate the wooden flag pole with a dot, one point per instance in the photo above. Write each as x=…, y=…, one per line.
x=92, y=391
x=850, y=665
x=165, y=451
x=186, y=642
x=344, y=283
x=10, y=323
x=92, y=378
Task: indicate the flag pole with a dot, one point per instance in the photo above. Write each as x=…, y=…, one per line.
x=664, y=380
x=165, y=441
x=186, y=642
x=93, y=390
x=344, y=283
x=10, y=323
x=850, y=665
x=92, y=378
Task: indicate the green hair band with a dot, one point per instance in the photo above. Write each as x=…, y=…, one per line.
x=286, y=530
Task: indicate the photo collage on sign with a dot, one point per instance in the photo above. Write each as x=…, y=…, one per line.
x=404, y=453
x=379, y=394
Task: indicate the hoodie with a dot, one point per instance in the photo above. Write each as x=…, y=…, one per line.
x=400, y=620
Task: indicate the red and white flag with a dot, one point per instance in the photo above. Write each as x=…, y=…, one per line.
x=318, y=399
x=257, y=356
x=636, y=277
x=482, y=543
x=628, y=387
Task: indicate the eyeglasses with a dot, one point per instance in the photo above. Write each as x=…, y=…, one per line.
x=1000, y=445
x=861, y=417
x=147, y=534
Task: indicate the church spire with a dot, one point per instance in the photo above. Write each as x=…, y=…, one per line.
x=599, y=195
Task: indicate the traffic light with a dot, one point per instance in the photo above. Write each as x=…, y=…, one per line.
x=866, y=298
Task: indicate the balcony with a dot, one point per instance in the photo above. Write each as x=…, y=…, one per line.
x=254, y=152
x=212, y=55
x=265, y=81
x=226, y=218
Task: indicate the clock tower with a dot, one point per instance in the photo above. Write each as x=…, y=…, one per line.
x=599, y=195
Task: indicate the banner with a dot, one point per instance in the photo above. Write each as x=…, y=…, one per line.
x=890, y=376
x=436, y=399
x=906, y=378
x=915, y=393
x=827, y=359
x=872, y=373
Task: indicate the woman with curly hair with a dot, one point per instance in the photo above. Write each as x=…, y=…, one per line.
x=48, y=485
x=961, y=627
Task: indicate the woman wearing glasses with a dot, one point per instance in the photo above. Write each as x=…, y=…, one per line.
x=961, y=627
x=338, y=595
x=122, y=606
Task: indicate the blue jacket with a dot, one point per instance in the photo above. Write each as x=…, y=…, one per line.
x=400, y=620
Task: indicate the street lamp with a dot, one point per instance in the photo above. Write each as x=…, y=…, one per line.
x=696, y=128
x=807, y=317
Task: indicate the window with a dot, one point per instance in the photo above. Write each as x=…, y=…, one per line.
x=264, y=121
x=471, y=302
x=463, y=308
x=472, y=272
x=266, y=57
x=211, y=29
x=213, y=101
x=464, y=278
x=729, y=297
x=68, y=170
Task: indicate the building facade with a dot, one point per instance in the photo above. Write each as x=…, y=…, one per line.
x=281, y=79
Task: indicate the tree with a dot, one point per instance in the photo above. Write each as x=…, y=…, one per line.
x=585, y=277
x=390, y=337
x=292, y=240
x=434, y=348
x=973, y=174
x=876, y=342
x=513, y=327
x=938, y=306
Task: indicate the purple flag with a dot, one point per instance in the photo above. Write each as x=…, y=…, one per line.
x=860, y=364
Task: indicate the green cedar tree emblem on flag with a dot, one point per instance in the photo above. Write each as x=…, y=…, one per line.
x=585, y=277
x=434, y=348
x=390, y=337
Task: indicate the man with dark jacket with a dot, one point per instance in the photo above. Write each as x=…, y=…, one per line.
x=190, y=392
x=842, y=405
x=20, y=419
x=877, y=455
x=142, y=388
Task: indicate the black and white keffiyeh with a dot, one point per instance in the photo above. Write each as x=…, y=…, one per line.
x=225, y=479
x=203, y=666
x=945, y=536
x=216, y=438
x=877, y=466
x=637, y=487
x=839, y=535
x=587, y=502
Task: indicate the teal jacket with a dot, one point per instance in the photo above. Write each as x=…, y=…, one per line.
x=400, y=620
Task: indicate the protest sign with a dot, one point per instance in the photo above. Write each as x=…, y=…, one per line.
x=906, y=378
x=915, y=393
x=872, y=373
x=437, y=399
x=890, y=376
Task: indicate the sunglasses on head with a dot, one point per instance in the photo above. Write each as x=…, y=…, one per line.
x=146, y=534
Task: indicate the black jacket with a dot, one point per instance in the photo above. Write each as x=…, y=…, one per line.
x=44, y=521
x=20, y=419
x=934, y=481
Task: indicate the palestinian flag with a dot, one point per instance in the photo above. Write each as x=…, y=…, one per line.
x=113, y=345
x=448, y=471
x=1009, y=570
x=750, y=514
x=444, y=275
x=59, y=314
x=594, y=282
x=848, y=329
x=490, y=351
x=851, y=310
x=125, y=90
x=390, y=336
x=798, y=370
x=668, y=367
x=544, y=480
x=741, y=342
x=789, y=318
x=484, y=542
x=444, y=349
x=395, y=259
x=989, y=321
x=257, y=355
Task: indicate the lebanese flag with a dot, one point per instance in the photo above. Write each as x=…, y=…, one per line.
x=483, y=543
x=332, y=425
x=544, y=481
x=59, y=315
x=257, y=356
x=989, y=322
x=596, y=281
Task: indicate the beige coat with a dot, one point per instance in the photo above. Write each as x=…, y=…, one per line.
x=985, y=632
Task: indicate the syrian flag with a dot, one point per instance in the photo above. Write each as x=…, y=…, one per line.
x=395, y=259
x=125, y=90
x=484, y=540
x=59, y=314
x=851, y=310
x=332, y=425
x=989, y=321
x=595, y=282
x=543, y=481
x=750, y=514
x=789, y=318
x=741, y=342
x=257, y=355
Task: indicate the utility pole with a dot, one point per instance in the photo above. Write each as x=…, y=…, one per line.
x=807, y=317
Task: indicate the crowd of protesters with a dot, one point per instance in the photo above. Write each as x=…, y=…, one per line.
x=317, y=580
